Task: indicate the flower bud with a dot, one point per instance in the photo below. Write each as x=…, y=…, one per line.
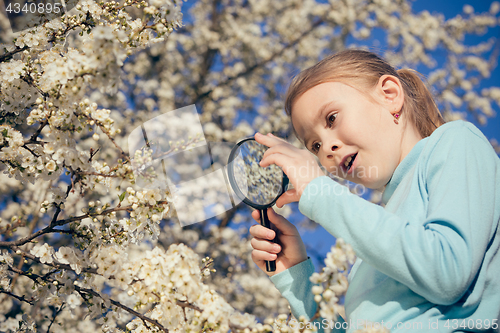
x=316, y=290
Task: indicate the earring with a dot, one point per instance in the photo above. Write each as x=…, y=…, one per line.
x=396, y=117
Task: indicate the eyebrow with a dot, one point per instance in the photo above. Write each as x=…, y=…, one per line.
x=318, y=116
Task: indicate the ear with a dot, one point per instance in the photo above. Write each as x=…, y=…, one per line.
x=391, y=92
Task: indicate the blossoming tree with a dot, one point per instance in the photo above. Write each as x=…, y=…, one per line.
x=82, y=246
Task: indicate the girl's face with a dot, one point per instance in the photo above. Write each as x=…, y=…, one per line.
x=342, y=125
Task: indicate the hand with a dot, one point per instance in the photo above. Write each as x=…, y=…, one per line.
x=288, y=251
x=298, y=164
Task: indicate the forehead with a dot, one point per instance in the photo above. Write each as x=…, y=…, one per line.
x=308, y=107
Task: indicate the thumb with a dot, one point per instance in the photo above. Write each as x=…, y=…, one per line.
x=282, y=224
x=287, y=197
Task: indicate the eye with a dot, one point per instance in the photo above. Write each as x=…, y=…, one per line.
x=330, y=119
x=315, y=147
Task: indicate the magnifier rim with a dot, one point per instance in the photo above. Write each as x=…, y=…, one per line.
x=234, y=185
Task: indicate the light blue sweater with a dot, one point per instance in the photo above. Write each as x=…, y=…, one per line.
x=430, y=259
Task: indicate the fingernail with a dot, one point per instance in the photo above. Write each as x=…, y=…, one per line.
x=276, y=248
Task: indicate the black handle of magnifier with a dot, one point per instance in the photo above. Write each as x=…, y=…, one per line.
x=270, y=265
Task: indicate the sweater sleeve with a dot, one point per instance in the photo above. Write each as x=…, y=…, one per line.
x=295, y=286
x=439, y=257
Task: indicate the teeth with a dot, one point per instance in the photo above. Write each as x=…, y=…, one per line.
x=348, y=160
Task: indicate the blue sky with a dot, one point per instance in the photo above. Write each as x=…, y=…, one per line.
x=451, y=9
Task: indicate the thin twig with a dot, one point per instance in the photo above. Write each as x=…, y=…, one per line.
x=123, y=153
x=29, y=80
x=80, y=290
x=129, y=310
x=31, y=151
x=56, y=265
x=54, y=318
x=98, y=174
x=186, y=304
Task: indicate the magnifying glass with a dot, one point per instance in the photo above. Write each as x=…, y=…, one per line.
x=256, y=186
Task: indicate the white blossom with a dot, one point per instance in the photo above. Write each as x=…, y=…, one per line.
x=86, y=79
x=43, y=252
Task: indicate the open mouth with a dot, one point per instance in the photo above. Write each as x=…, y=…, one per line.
x=349, y=162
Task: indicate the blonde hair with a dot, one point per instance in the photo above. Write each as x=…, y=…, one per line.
x=363, y=69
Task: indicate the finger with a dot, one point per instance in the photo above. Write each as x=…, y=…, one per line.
x=262, y=232
x=265, y=245
x=259, y=256
x=283, y=148
x=267, y=140
x=287, y=197
x=277, y=137
x=278, y=159
x=256, y=215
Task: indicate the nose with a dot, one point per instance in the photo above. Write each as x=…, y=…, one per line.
x=330, y=148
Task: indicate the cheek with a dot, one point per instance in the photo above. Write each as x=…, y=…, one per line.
x=378, y=161
x=388, y=163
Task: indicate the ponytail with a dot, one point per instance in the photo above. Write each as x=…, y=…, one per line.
x=364, y=69
x=419, y=106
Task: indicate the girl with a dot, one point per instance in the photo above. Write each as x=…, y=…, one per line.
x=429, y=260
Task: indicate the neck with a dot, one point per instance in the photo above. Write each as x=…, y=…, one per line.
x=410, y=137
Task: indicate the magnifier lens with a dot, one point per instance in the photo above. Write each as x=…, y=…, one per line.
x=256, y=186
x=259, y=185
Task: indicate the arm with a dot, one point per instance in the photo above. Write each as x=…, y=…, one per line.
x=295, y=286
x=439, y=257
x=293, y=267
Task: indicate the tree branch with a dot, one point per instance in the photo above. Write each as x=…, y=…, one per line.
x=38, y=131
x=209, y=55
x=250, y=69
x=9, y=55
x=51, y=227
x=20, y=298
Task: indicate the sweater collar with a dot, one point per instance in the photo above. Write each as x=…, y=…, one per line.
x=402, y=169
